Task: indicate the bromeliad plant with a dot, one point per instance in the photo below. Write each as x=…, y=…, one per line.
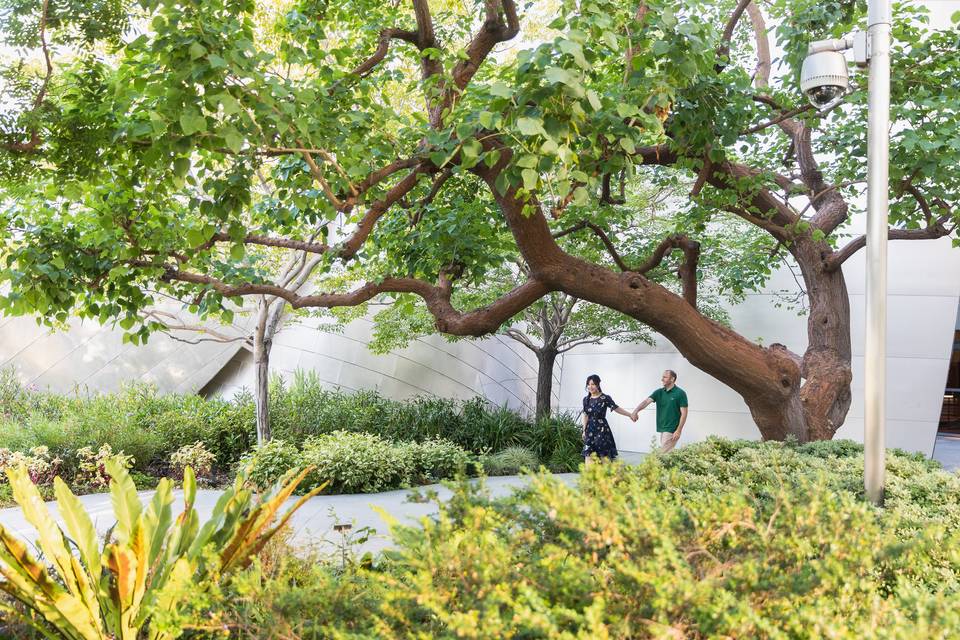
x=148, y=563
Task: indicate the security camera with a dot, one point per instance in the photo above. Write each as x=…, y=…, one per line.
x=823, y=77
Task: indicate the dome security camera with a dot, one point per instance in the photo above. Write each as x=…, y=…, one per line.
x=823, y=78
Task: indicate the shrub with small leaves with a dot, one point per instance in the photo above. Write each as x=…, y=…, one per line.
x=41, y=468
x=92, y=466
x=195, y=456
x=357, y=463
x=436, y=459
x=267, y=463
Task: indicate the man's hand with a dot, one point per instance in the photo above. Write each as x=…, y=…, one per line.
x=634, y=415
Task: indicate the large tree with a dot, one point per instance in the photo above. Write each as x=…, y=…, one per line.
x=133, y=138
x=559, y=322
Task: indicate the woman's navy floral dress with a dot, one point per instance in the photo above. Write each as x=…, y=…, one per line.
x=597, y=437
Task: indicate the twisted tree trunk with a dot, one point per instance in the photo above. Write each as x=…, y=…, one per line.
x=546, y=358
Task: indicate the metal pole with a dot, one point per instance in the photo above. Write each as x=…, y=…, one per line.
x=878, y=123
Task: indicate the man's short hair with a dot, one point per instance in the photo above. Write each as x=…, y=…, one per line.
x=673, y=374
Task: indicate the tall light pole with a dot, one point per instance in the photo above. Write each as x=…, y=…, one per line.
x=878, y=154
x=824, y=80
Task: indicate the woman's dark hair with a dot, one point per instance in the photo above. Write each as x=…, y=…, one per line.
x=595, y=379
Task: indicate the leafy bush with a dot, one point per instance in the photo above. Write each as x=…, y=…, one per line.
x=510, y=461
x=150, y=426
x=194, y=456
x=436, y=459
x=357, y=462
x=267, y=463
x=765, y=545
x=93, y=467
x=41, y=468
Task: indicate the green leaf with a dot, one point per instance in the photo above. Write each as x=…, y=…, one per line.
x=192, y=122
x=233, y=140
x=181, y=166
x=237, y=252
x=531, y=126
x=528, y=161
x=594, y=100
x=628, y=145
x=197, y=50
x=530, y=178
x=501, y=89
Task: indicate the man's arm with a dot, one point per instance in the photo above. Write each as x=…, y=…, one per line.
x=640, y=407
x=683, y=418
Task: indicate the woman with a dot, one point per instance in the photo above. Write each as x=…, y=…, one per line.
x=597, y=436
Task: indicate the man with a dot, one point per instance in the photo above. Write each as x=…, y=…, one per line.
x=671, y=410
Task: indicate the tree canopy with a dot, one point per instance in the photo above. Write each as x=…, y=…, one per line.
x=162, y=148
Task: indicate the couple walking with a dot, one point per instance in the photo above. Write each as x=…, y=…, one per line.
x=598, y=440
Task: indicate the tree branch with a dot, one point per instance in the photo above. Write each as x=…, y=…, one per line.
x=723, y=51
x=761, y=78
x=572, y=343
x=383, y=46
x=586, y=224
x=520, y=337
x=34, y=141
x=448, y=319
x=931, y=232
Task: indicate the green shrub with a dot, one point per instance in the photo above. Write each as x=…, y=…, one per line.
x=194, y=456
x=92, y=467
x=769, y=545
x=510, y=461
x=40, y=467
x=267, y=463
x=557, y=441
x=151, y=426
x=436, y=459
x=357, y=463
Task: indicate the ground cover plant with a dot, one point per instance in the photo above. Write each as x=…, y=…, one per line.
x=723, y=539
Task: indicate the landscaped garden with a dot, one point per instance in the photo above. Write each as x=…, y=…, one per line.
x=359, y=442
x=722, y=539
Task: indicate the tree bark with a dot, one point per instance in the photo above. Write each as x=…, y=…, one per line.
x=769, y=379
x=261, y=375
x=546, y=357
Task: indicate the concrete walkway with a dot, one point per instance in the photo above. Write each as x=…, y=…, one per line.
x=312, y=525
x=946, y=451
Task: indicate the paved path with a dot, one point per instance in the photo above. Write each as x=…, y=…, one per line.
x=312, y=525
x=946, y=450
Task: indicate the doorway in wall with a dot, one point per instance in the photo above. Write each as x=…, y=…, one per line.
x=947, y=448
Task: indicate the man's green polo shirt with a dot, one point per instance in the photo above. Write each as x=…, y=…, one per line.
x=668, y=407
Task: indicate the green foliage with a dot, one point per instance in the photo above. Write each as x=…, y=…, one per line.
x=40, y=467
x=93, y=467
x=727, y=539
x=510, y=461
x=151, y=427
x=137, y=420
x=349, y=462
x=269, y=461
x=133, y=586
x=194, y=456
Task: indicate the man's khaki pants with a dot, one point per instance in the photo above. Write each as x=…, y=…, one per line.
x=667, y=443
